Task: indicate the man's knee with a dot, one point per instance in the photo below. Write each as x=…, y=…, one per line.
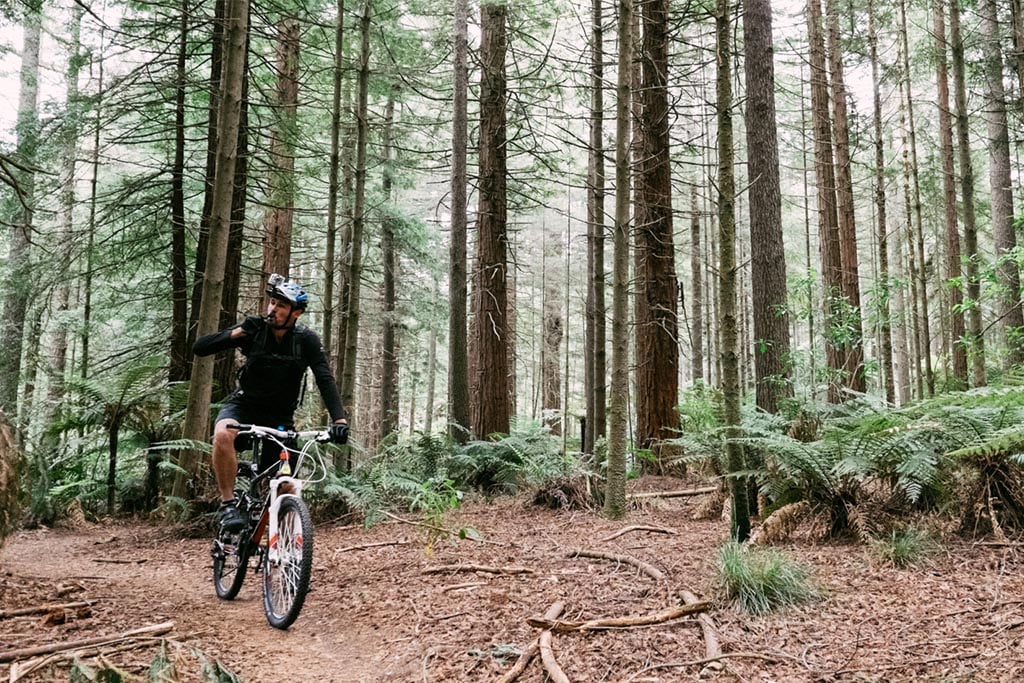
x=224, y=436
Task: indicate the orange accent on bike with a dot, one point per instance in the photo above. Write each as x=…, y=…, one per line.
x=273, y=541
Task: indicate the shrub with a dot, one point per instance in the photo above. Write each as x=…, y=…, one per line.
x=762, y=579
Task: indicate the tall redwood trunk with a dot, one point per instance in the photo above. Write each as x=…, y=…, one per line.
x=490, y=411
x=389, y=258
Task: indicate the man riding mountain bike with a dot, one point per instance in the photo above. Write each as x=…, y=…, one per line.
x=278, y=352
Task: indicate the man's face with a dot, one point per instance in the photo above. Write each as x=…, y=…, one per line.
x=280, y=313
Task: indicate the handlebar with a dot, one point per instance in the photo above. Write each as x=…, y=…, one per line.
x=261, y=432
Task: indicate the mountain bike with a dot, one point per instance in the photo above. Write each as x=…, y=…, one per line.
x=278, y=536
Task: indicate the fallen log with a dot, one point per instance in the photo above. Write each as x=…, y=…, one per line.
x=441, y=569
x=531, y=651
x=19, y=653
x=645, y=567
x=673, y=494
x=639, y=527
x=39, y=609
x=558, y=626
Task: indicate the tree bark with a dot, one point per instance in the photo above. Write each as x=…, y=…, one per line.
x=976, y=341
x=727, y=270
x=657, y=347
x=458, y=372
x=389, y=342
x=885, y=327
x=955, y=338
x=854, y=372
x=1005, y=238
x=348, y=381
x=490, y=411
x=596, y=360
x=618, y=416
x=828, y=222
x=197, y=415
x=768, y=265
x=697, y=287
x=551, y=366
x=18, y=283
x=330, y=267
x=279, y=217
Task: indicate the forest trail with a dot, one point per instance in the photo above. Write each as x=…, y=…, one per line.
x=376, y=614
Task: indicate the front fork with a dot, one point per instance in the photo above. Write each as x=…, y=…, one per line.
x=275, y=505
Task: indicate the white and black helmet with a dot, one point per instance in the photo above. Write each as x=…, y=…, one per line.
x=286, y=290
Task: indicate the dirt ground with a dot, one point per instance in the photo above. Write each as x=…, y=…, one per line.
x=374, y=615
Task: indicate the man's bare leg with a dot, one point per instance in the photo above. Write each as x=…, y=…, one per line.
x=225, y=460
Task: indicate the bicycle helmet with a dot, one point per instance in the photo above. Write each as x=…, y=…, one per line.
x=286, y=290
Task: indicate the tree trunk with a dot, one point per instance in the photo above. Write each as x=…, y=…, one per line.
x=113, y=434
x=854, y=373
x=958, y=350
x=697, y=287
x=279, y=216
x=976, y=340
x=768, y=266
x=389, y=355
x=828, y=223
x=348, y=382
x=727, y=268
x=657, y=347
x=618, y=408
x=330, y=267
x=18, y=285
x=458, y=374
x=90, y=239
x=197, y=415
x=551, y=367
x=62, y=293
x=595, y=357
x=885, y=327
x=490, y=411
x=1005, y=238
x=428, y=418
x=179, y=352
x=922, y=281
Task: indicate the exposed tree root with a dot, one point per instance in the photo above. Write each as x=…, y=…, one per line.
x=645, y=567
x=712, y=648
x=531, y=651
x=547, y=656
x=661, y=617
x=367, y=546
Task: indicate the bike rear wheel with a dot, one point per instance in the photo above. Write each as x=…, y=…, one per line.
x=230, y=561
x=286, y=578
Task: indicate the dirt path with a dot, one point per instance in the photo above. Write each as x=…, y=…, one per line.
x=375, y=616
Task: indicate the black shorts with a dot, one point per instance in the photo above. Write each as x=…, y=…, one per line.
x=235, y=409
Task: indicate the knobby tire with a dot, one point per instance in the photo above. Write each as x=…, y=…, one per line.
x=286, y=579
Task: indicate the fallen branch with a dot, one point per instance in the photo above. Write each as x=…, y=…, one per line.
x=531, y=651
x=476, y=568
x=619, y=622
x=23, y=668
x=113, y=561
x=366, y=546
x=639, y=527
x=712, y=648
x=39, y=609
x=547, y=656
x=645, y=567
x=673, y=494
x=153, y=630
x=461, y=586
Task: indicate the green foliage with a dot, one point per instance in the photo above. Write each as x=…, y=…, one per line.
x=760, y=580
x=903, y=547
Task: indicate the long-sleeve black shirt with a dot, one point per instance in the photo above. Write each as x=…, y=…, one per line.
x=271, y=378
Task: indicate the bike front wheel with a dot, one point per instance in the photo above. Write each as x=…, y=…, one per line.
x=286, y=576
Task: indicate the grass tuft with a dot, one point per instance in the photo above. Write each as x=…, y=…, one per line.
x=760, y=580
x=903, y=547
